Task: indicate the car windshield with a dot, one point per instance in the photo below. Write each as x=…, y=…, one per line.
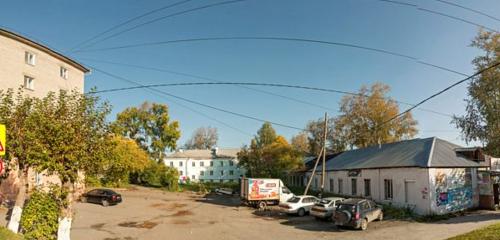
x=324, y=201
x=345, y=207
x=294, y=200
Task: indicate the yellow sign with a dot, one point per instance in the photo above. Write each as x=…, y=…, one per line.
x=3, y=143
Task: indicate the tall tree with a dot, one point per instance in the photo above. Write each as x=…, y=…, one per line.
x=362, y=122
x=269, y=155
x=300, y=142
x=315, y=134
x=203, y=138
x=481, y=121
x=150, y=126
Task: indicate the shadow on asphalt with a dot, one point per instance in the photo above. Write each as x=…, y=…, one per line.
x=221, y=200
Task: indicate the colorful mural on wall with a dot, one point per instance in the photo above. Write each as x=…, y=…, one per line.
x=454, y=190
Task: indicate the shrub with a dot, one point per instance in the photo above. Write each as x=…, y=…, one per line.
x=393, y=212
x=40, y=217
x=159, y=175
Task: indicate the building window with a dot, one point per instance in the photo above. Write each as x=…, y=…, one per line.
x=180, y=173
x=388, y=189
x=221, y=181
x=231, y=172
x=202, y=173
x=171, y=164
x=211, y=173
x=222, y=173
x=202, y=164
x=368, y=188
x=30, y=58
x=194, y=164
x=331, y=184
x=341, y=188
x=180, y=164
x=354, y=187
x=211, y=163
x=193, y=177
x=29, y=83
x=316, y=183
x=63, y=72
x=231, y=163
x=222, y=163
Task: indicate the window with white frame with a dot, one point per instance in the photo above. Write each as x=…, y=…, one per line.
x=202, y=173
x=193, y=177
x=222, y=173
x=354, y=187
x=29, y=83
x=388, y=194
x=222, y=163
x=180, y=163
x=211, y=163
x=202, y=164
x=211, y=173
x=63, y=72
x=231, y=163
x=30, y=58
x=331, y=184
x=341, y=187
x=193, y=164
x=171, y=164
x=181, y=173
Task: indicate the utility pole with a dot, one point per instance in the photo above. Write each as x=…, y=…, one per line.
x=323, y=169
x=322, y=152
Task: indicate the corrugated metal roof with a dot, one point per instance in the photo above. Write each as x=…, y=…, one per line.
x=427, y=152
x=205, y=153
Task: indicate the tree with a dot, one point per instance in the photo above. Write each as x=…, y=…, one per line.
x=300, y=142
x=125, y=157
x=315, y=134
x=481, y=121
x=203, y=138
x=157, y=174
x=269, y=155
x=363, y=121
x=150, y=126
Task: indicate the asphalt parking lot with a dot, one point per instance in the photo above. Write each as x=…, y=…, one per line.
x=154, y=214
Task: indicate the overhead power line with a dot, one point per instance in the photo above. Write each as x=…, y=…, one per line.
x=127, y=22
x=203, y=104
x=456, y=18
x=441, y=92
x=215, y=81
x=469, y=9
x=162, y=18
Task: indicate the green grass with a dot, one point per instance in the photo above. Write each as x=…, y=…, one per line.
x=491, y=232
x=8, y=235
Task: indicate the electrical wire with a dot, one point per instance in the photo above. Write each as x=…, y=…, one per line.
x=456, y=18
x=469, y=9
x=81, y=44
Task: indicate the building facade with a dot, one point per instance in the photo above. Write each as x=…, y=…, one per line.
x=216, y=165
x=429, y=175
x=36, y=68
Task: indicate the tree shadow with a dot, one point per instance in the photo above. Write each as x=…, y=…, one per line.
x=221, y=200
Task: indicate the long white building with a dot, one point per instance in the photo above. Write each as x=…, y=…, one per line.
x=215, y=165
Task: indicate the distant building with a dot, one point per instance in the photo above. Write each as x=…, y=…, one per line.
x=431, y=175
x=36, y=68
x=215, y=165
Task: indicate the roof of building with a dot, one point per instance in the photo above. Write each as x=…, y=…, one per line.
x=41, y=47
x=424, y=153
x=205, y=153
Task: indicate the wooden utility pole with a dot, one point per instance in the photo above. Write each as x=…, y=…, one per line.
x=322, y=152
x=323, y=169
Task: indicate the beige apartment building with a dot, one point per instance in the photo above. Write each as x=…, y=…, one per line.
x=39, y=70
x=36, y=68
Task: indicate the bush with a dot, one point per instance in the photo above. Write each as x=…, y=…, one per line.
x=393, y=212
x=40, y=217
x=159, y=175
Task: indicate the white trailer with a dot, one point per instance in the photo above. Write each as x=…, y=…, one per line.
x=260, y=192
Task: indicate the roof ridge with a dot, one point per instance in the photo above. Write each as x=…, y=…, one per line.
x=431, y=152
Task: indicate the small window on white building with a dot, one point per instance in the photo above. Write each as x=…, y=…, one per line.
x=354, y=187
x=222, y=173
x=202, y=173
x=231, y=163
x=171, y=164
x=202, y=164
x=180, y=173
x=211, y=173
x=29, y=83
x=231, y=172
x=211, y=163
x=368, y=188
x=193, y=177
x=341, y=186
x=388, y=189
x=331, y=184
x=63, y=72
x=30, y=58
x=222, y=163
x=194, y=164
x=180, y=164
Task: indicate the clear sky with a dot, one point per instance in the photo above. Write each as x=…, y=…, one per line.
x=378, y=24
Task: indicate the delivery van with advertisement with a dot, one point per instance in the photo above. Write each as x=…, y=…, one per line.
x=260, y=192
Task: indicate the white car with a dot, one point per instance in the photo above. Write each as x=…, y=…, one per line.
x=325, y=209
x=300, y=205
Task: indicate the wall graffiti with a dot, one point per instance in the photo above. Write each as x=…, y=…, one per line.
x=454, y=190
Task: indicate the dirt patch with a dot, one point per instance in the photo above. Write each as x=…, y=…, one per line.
x=182, y=213
x=212, y=222
x=180, y=221
x=145, y=224
x=97, y=226
x=117, y=238
x=158, y=205
x=175, y=206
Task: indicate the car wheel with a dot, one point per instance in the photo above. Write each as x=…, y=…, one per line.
x=364, y=224
x=83, y=199
x=105, y=203
x=381, y=216
x=262, y=205
x=301, y=212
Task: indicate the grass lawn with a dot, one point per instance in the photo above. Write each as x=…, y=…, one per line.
x=491, y=232
x=6, y=234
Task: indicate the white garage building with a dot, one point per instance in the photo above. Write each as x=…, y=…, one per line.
x=429, y=175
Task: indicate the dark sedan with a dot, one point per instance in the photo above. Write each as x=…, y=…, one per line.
x=105, y=197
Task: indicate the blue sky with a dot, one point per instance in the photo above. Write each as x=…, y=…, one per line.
x=378, y=24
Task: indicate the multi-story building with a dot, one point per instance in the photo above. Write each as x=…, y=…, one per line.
x=216, y=165
x=36, y=68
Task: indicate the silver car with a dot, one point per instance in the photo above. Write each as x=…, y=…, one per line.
x=325, y=209
x=300, y=205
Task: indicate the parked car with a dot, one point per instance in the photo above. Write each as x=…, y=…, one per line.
x=357, y=213
x=325, y=208
x=300, y=205
x=105, y=197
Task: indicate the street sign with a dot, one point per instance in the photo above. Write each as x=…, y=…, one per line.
x=3, y=143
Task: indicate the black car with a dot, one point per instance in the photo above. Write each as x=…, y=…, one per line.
x=357, y=213
x=104, y=197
